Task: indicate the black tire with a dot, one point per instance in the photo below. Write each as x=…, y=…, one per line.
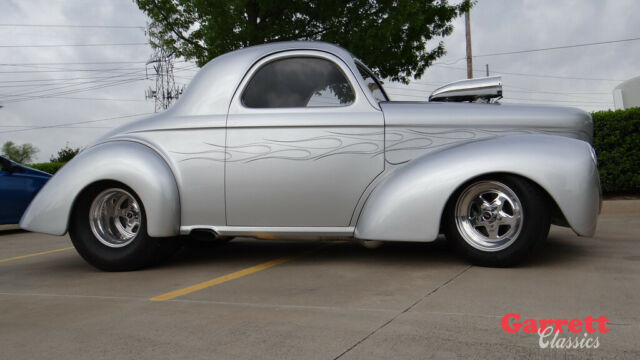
x=139, y=252
x=467, y=221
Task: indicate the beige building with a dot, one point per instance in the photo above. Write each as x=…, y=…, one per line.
x=627, y=94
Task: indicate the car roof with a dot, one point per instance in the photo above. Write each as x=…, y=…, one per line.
x=212, y=88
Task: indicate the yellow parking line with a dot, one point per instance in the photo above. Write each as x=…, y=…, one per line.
x=35, y=254
x=225, y=278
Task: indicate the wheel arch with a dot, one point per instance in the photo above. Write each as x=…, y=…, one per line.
x=130, y=163
x=408, y=205
x=557, y=216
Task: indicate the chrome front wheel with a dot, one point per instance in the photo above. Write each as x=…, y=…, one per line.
x=497, y=220
x=489, y=215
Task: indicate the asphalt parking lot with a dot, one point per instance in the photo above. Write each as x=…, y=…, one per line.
x=253, y=299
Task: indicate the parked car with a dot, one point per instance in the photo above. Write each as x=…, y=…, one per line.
x=18, y=186
x=300, y=140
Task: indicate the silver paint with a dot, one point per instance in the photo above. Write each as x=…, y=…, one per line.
x=368, y=170
x=130, y=163
x=313, y=173
x=408, y=204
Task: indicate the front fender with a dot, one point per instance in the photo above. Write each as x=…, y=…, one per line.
x=130, y=163
x=408, y=205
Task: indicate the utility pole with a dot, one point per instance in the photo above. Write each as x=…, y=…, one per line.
x=467, y=27
x=166, y=91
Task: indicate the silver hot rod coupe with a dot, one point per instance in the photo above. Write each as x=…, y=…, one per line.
x=299, y=140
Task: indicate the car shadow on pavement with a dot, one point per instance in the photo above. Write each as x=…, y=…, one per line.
x=11, y=232
x=556, y=249
x=323, y=252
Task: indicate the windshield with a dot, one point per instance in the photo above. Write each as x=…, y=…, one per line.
x=372, y=83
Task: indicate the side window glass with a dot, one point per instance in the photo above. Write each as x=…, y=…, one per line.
x=298, y=82
x=4, y=164
x=372, y=83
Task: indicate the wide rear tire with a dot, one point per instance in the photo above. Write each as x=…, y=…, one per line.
x=108, y=228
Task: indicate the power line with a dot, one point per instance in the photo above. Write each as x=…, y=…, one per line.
x=560, y=101
x=555, y=92
x=74, y=63
x=62, y=70
x=18, y=98
x=521, y=99
x=408, y=89
x=50, y=97
x=49, y=92
x=575, y=96
x=63, y=127
x=73, y=84
x=73, y=123
x=54, y=69
x=69, y=82
x=57, y=81
x=533, y=75
x=60, y=79
x=84, y=63
x=44, y=88
x=75, y=26
x=69, y=45
x=558, y=47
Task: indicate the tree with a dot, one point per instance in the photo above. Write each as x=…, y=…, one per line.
x=65, y=154
x=21, y=154
x=390, y=36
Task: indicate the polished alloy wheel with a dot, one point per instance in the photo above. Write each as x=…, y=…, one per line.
x=115, y=217
x=488, y=215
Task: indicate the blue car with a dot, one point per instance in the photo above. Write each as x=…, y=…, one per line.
x=18, y=186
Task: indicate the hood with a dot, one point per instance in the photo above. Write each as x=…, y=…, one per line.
x=564, y=121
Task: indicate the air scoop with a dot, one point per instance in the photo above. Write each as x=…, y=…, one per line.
x=474, y=90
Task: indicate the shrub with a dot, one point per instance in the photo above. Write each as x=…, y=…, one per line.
x=617, y=142
x=65, y=154
x=50, y=167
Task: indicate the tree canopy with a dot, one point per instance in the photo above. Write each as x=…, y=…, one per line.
x=19, y=153
x=390, y=36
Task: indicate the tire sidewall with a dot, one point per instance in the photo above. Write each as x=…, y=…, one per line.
x=132, y=256
x=535, y=224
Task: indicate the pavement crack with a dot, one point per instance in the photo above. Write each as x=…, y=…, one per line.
x=404, y=311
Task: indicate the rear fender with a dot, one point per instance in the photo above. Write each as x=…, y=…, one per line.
x=408, y=205
x=133, y=164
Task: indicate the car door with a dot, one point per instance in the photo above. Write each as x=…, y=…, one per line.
x=303, y=142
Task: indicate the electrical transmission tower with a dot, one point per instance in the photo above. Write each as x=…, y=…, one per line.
x=166, y=91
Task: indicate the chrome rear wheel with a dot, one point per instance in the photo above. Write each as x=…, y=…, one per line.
x=115, y=217
x=108, y=228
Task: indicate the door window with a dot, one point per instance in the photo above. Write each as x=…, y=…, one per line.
x=298, y=82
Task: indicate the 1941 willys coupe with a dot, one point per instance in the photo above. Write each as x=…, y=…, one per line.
x=299, y=140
